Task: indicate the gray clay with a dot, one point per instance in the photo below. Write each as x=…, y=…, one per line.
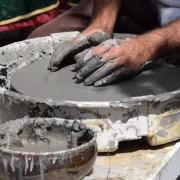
x=34, y=80
x=43, y=136
x=69, y=49
x=36, y=149
x=33, y=137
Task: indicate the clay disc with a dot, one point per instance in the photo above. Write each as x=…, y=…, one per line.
x=34, y=80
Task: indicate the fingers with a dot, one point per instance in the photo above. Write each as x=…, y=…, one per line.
x=82, y=58
x=105, y=46
x=102, y=72
x=87, y=54
x=118, y=75
x=101, y=49
x=93, y=64
x=60, y=52
x=113, y=42
x=113, y=53
x=65, y=50
x=81, y=55
x=114, y=64
x=55, y=54
x=95, y=68
x=123, y=73
x=97, y=38
x=69, y=48
x=81, y=64
x=52, y=69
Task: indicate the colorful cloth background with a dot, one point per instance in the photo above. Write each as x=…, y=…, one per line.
x=16, y=14
x=16, y=10
x=72, y=2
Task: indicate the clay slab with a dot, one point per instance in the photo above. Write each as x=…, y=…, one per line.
x=34, y=80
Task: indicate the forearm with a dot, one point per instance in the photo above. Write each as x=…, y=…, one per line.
x=105, y=13
x=162, y=42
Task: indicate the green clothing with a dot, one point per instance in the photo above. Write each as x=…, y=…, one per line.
x=10, y=9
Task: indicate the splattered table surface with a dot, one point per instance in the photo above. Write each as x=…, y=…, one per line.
x=136, y=160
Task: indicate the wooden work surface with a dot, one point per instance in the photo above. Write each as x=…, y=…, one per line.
x=136, y=160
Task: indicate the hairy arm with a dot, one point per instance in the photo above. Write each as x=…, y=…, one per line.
x=162, y=42
x=158, y=43
x=105, y=13
x=103, y=18
x=131, y=54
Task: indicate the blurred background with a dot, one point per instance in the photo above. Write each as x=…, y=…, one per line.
x=18, y=18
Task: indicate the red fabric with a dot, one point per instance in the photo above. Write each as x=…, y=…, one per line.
x=36, y=20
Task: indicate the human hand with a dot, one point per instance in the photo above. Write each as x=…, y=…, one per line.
x=86, y=55
x=70, y=48
x=109, y=64
x=91, y=30
x=83, y=56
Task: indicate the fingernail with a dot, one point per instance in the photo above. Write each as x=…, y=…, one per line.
x=79, y=76
x=87, y=82
x=53, y=69
x=97, y=84
x=74, y=77
x=77, y=66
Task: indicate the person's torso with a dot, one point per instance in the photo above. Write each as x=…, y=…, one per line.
x=168, y=10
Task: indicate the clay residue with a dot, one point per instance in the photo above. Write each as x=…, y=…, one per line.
x=43, y=135
x=34, y=137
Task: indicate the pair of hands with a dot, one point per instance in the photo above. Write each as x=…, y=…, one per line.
x=101, y=60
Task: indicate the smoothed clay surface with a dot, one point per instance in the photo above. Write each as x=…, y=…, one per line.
x=34, y=80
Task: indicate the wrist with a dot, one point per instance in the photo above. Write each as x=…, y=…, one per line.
x=104, y=27
x=154, y=44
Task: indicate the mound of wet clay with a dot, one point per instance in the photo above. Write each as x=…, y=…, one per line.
x=35, y=80
x=33, y=137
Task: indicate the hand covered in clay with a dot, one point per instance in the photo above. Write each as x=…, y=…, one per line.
x=112, y=61
x=71, y=48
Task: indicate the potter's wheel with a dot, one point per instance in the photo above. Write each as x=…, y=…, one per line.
x=34, y=80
